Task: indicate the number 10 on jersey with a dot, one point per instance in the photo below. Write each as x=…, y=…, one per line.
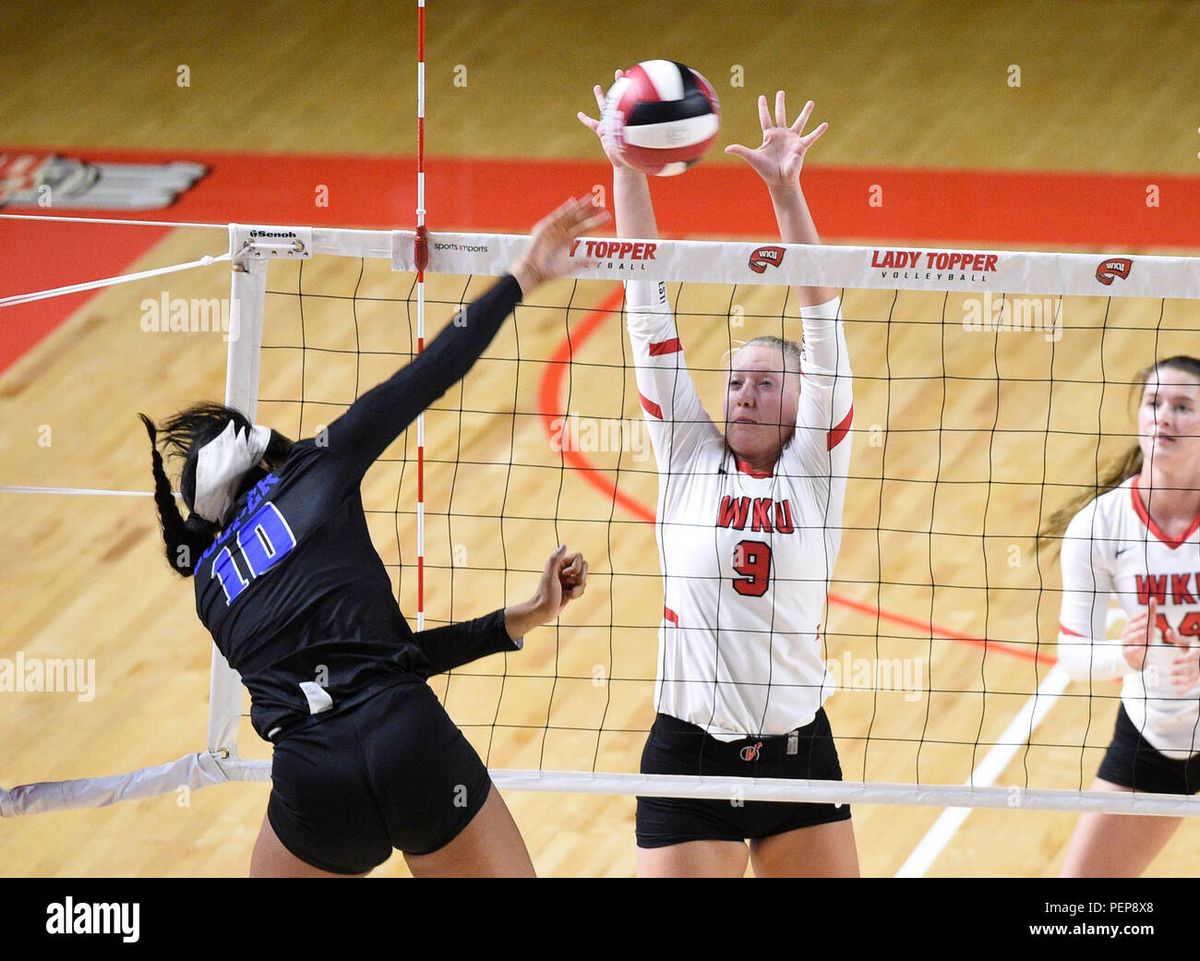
x=263, y=541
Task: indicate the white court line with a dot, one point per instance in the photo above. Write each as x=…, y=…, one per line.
x=990, y=768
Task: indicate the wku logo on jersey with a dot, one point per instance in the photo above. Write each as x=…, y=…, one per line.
x=761, y=513
x=1178, y=591
x=764, y=257
x=1109, y=270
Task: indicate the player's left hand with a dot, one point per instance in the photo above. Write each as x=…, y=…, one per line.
x=780, y=157
x=1185, y=666
x=597, y=127
x=563, y=580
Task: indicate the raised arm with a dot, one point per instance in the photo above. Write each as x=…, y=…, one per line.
x=779, y=160
x=826, y=409
x=675, y=418
x=380, y=415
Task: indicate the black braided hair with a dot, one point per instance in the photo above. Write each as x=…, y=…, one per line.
x=183, y=435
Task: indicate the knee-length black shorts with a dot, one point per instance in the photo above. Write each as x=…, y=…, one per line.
x=676, y=747
x=391, y=772
x=1133, y=762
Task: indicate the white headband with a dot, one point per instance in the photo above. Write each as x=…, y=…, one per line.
x=222, y=463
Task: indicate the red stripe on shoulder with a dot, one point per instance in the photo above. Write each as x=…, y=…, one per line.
x=672, y=346
x=1067, y=630
x=838, y=434
x=671, y=616
x=649, y=406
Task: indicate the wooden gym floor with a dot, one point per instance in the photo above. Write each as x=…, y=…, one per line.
x=1105, y=88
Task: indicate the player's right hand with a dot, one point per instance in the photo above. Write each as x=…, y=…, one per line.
x=597, y=127
x=548, y=254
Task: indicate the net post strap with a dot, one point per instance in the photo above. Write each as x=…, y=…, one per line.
x=192, y=771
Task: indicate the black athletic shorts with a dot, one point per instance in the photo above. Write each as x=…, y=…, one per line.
x=1133, y=762
x=676, y=747
x=391, y=772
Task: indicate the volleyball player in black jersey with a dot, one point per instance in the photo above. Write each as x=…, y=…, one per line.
x=298, y=601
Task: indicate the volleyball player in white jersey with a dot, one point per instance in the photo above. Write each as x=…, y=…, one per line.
x=1139, y=541
x=748, y=528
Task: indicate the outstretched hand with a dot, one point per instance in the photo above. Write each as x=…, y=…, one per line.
x=548, y=254
x=780, y=157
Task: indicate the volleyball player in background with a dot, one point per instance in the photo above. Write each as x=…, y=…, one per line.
x=1139, y=540
x=298, y=601
x=748, y=526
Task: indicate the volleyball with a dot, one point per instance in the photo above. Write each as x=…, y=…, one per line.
x=662, y=116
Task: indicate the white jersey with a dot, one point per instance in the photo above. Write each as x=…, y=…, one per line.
x=746, y=557
x=1113, y=547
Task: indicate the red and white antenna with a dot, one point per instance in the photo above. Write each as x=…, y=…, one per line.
x=422, y=259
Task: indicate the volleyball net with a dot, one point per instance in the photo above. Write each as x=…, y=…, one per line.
x=991, y=387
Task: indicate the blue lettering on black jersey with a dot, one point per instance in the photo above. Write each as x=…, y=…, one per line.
x=258, y=539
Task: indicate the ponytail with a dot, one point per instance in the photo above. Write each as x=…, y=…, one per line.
x=1116, y=474
x=184, y=540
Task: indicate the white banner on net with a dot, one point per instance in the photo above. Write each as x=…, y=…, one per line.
x=879, y=268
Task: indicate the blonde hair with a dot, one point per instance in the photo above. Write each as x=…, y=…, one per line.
x=790, y=349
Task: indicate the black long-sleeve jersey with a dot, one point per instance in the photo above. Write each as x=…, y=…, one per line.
x=293, y=591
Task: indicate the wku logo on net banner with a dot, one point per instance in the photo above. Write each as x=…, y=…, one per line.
x=764, y=257
x=1109, y=270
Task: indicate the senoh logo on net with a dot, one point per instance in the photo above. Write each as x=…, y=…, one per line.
x=1114, y=268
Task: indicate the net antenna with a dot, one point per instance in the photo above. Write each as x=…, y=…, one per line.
x=420, y=262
